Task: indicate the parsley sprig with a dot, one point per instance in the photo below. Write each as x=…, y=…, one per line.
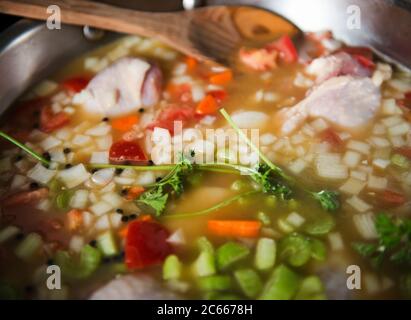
x=394, y=241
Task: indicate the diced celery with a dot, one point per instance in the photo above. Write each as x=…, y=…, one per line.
x=30, y=245
x=214, y=283
x=264, y=218
x=311, y=288
x=282, y=285
x=318, y=249
x=400, y=161
x=172, y=268
x=265, y=253
x=8, y=232
x=63, y=199
x=205, y=264
x=320, y=226
x=249, y=282
x=229, y=253
x=55, y=186
x=295, y=249
x=107, y=244
x=79, y=267
x=205, y=245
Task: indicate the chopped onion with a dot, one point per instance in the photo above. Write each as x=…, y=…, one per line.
x=328, y=166
x=44, y=205
x=79, y=199
x=161, y=136
x=100, y=157
x=378, y=129
x=101, y=208
x=399, y=129
x=74, y=176
x=18, y=181
x=123, y=181
x=87, y=219
x=359, y=146
x=297, y=166
x=358, y=204
x=351, y=158
x=364, y=222
x=381, y=163
x=113, y=199
x=360, y=175
x=197, y=93
x=50, y=142
x=397, y=141
x=102, y=223
x=319, y=125
x=104, y=143
x=177, y=237
x=392, y=121
x=40, y=174
x=400, y=85
x=250, y=119
x=101, y=129
x=379, y=142
x=103, y=177
x=377, y=183
x=145, y=178
x=57, y=155
x=63, y=134
x=271, y=97
x=389, y=107
x=352, y=186
x=81, y=140
x=115, y=220
x=267, y=139
x=295, y=219
x=76, y=243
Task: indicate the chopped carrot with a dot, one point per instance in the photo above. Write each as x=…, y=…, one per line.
x=221, y=78
x=191, y=63
x=74, y=219
x=392, y=198
x=134, y=192
x=235, y=228
x=124, y=123
x=207, y=106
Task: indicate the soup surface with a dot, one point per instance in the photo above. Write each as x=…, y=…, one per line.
x=148, y=175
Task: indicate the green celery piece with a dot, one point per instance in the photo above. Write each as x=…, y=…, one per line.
x=215, y=283
x=400, y=161
x=320, y=226
x=295, y=249
x=229, y=253
x=79, y=267
x=63, y=199
x=205, y=245
x=205, y=264
x=265, y=253
x=318, y=250
x=107, y=244
x=264, y=218
x=282, y=285
x=172, y=268
x=311, y=288
x=249, y=282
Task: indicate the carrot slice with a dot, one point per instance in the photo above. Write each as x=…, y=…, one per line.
x=235, y=228
x=207, y=106
x=191, y=63
x=124, y=123
x=74, y=219
x=221, y=78
x=134, y=192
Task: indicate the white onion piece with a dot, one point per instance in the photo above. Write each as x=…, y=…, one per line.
x=76, y=243
x=113, y=199
x=50, y=142
x=295, y=219
x=74, y=176
x=358, y=204
x=40, y=174
x=336, y=241
x=115, y=220
x=101, y=129
x=101, y=208
x=359, y=146
x=352, y=186
x=177, y=237
x=105, y=142
x=145, y=178
x=79, y=199
x=377, y=183
x=351, y=158
x=364, y=222
x=250, y=119
x=81, y=140
x=103, y=223
x=100, y=157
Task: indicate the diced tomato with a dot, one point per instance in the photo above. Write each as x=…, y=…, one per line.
x=125, y=123
x=50, y=121
x=219, y=95
x=171, y=114
x=405, y=151
x=134, y=192
x=191, y=63
x=405, y=102
x=25, y=197
x=259, y=59
x=285, y=47
x=331, y=137
x=222, y=78
x=207, y=106
x=126, y=151
x=179, y=92
x=146, y=244
x=75, y=84
x=392, y=198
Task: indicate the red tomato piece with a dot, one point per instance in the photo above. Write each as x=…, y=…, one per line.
x=392, y=198
x=146, y=244
x=405, y=151
x=218, y=95
x=406, y=101
x=50, y=121
x=286, y=48
x=126, y=151
x=171, y=114
x=75, y=84
x=331, y=137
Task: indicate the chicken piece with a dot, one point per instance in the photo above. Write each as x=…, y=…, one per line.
x=133, y=287
x=121, y=88
x=334, y=65
x=346, y=102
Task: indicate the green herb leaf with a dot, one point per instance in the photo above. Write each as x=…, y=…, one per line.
x=328, y=199
x=264, y=177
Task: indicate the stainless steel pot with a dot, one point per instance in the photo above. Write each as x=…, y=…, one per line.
x=29, y=51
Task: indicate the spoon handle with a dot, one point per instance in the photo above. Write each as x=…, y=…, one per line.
x=170, y=28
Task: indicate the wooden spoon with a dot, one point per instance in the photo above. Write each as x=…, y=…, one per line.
x=210, y=33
